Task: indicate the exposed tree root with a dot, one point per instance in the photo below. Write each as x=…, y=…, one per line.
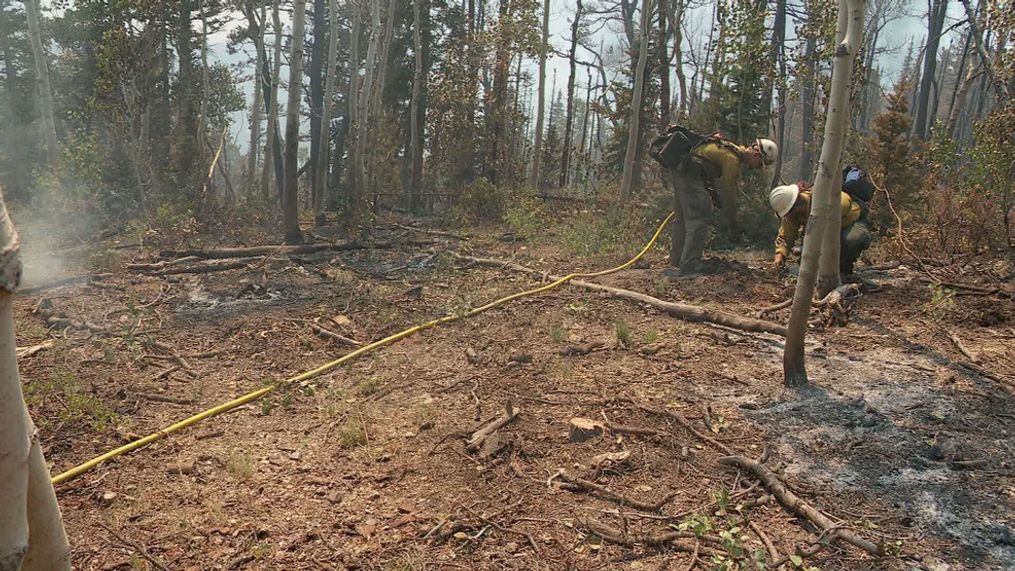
x=683, y=311
x=682, y=421
x=795, y=504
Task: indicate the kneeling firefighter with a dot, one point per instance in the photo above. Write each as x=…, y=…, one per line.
x=793, y=205
x=704, y=171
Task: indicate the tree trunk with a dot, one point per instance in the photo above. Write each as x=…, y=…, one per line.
x=537, y=146
x=938, y=11
x=779, y=55
x=290, y=207
x=255, y=109
x=34, y=14
x=565, y=162
x=1000, y=87
x=32, y=536
x=849, y=27
x=315, y=69
x=807, y=107
x=202, y=119
x=417, y=112
x=324, y=152
x=354, y=183
x=272, y=150
x=664, y=65
x=676, y=25
x=631, y=167
x=365, y=104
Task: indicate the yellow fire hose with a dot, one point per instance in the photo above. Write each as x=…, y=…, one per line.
x=253, y=396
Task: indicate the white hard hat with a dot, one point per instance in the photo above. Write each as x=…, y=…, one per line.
x=769, y=150
x=782, y=198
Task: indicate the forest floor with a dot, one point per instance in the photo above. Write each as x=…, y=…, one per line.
x=900, y=438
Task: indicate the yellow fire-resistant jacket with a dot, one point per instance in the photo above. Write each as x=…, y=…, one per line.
x=792, y=227
x=721, y=164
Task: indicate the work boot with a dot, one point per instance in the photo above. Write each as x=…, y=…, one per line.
x=685, y=271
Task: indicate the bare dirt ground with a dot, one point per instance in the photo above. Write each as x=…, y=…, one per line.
x=899, y=439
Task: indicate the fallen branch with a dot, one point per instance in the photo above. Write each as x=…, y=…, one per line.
x=329, y=334
x=199, y=268
x=282, y=249
x=669, y=540
x=686, y=424
x=440, y=233
x=796, y=505
x=773, y=308
x=89, y=279
x=23, y=352
x=582, y=349
x=575, y=484
x=140, y=550
x=772, y=552
x=479, y=437
x=526, y=535
x=959, y=345
x=683, y=311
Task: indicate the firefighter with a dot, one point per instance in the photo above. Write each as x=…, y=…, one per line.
x=708, y=176
x=793, y=204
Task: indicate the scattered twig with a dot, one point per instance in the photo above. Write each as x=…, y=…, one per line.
x=959, y=345
x=669, y=540
x=323, y=332
x=140, y=550
x=772, y=552
x=163, y=398
x=682, y=421
x=796, y=505
x=496, y=525
x=433, y=232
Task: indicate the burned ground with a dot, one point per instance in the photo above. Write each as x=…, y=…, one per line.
x=367, y=467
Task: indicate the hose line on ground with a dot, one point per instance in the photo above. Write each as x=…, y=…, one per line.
x=255, y=395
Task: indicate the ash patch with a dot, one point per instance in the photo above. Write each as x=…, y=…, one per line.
x=895, y=441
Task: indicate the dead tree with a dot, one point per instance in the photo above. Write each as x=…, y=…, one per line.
x=324, y=150
x=631, y=166
x=565, y=162
x=537, y=146
x=32, y=537
x=290, y=207
x=850, y=29
x=34, y=15
x=417, y=115
x=938, y=11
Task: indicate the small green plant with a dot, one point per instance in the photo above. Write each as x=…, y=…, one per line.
x=650, y=336
x=352, y=434
x=78, y=406
x=942, y=299
x=558, y=334
x=368, y=386
x=798, y=563
x=624, y=334
x=697, y=523
x=240, y=465
x=266, y=406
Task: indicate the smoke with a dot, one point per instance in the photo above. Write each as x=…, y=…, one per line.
x=53, y=241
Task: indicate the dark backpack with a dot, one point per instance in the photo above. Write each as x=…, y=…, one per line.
x=857, y=184
x=671, y=147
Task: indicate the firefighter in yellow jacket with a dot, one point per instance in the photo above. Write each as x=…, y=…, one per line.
x=793, y=205
x=709, y=176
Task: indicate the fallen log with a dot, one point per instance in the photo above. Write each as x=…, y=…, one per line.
x=796, y=505
x=278, y=249
x=683, y=311
x=479, y=437
x=204, y=268
x=23, y=352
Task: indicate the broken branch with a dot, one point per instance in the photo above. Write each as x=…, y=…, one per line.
x=796, y=505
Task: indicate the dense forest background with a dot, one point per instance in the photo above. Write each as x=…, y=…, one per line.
x=118, y=115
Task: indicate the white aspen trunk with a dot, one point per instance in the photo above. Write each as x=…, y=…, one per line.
x=324, y=151
x=827, y=181
x=34, y=14
x=272, y=104
x=416, y=120
x=537, y=146
x=366, y=103
x=32, y=536
x=633, y=135
x=290, y=208
x=354, y=185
